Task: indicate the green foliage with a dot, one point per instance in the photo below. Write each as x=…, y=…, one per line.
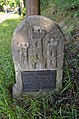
x=24, y=11
x=45, y=3
x=10, y=2
x=67, y=4
x=17, y=1
x=2, y=2
x=62, y=4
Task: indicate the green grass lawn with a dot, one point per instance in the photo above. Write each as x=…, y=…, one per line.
x=8, y=109
x=51, y=106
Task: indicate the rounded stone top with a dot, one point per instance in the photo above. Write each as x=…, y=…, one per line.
x=37, y=20
x=41, y=21
x=38, y=17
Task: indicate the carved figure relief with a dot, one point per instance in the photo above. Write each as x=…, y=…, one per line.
x=38, y=53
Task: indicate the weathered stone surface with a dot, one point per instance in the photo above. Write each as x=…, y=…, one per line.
x=38, y=44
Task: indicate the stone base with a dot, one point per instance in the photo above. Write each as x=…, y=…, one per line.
x=17, y=92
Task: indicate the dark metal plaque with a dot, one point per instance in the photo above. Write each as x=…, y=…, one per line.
x=36, y=80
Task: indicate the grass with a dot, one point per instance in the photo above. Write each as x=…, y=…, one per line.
x=6, y=68
x=50, y=106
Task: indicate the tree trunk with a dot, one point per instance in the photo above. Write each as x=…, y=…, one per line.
x=32, y=7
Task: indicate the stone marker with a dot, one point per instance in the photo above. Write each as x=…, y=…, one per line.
x=38, y=51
